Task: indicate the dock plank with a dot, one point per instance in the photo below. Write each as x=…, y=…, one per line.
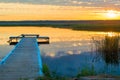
x=24, y=62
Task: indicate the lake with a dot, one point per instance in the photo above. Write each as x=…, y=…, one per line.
x=69, y=51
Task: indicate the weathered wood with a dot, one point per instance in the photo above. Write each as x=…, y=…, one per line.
x=23, y=61
x=30, y=35
x=40, y=39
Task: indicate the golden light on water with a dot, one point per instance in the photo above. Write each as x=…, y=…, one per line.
x=55, y=34
x=111, y=34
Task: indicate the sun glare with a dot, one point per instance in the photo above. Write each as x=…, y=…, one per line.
x=111, y=14
x=111, y=34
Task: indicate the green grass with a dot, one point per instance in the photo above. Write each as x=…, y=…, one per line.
x=86, y=71
x=54, y=76
x=50, y=75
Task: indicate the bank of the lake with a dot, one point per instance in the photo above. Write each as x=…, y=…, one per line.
x=88, y=25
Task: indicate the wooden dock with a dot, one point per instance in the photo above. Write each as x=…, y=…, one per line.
x=24, y=61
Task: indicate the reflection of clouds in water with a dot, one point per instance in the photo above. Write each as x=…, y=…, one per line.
x=4, y=37
x=69, y=65
x=4, y=50
x=73, y=52
x=50, y=54
x=60, y=53
x=77, y=44
x=80, y=44
x=55, y=34
x=58, y=49
x=64, y=65
x=70, y=52
x=74, y=44
x=3, y=40
x=67, y=46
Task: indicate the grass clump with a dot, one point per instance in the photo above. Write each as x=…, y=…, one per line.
x=109, y=49
x=86, y=72
x=50, y=75
x=46, y=70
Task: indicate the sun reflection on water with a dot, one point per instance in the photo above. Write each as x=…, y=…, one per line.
x=68, y=41
x=111, y=34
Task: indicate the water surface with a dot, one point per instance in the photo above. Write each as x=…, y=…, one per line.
x=68, y=52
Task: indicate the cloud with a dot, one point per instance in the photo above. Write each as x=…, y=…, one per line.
x=106, y=4
x=94, y=3
x=56, y=9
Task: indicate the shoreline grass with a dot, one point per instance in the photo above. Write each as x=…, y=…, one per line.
x=109, y=49
x=74, y=25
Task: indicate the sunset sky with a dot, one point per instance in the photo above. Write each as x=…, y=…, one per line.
x=59, y=9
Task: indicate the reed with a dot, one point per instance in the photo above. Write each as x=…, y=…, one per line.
x=109, y=49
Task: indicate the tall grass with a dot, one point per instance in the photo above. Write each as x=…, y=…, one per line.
x=48, y=75
x=86, y=71
x=95, y=25
x=109, y=49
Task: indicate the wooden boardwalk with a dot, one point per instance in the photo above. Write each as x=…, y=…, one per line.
x=24, y=61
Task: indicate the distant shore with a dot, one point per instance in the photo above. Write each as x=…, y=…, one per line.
x=86, y=25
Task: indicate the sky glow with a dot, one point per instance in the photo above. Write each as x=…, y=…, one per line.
x=59, y=9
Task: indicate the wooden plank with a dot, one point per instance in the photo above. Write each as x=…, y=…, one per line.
x=43, y=37
x=40, y=39
x=24, y=61
x=28, y=35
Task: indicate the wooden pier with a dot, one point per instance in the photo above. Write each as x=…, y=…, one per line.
x=40, y=39
x=24, y=61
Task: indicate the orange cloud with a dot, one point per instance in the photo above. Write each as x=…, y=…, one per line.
x=17, y=11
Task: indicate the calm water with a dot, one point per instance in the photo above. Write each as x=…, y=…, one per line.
x=68, y=52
